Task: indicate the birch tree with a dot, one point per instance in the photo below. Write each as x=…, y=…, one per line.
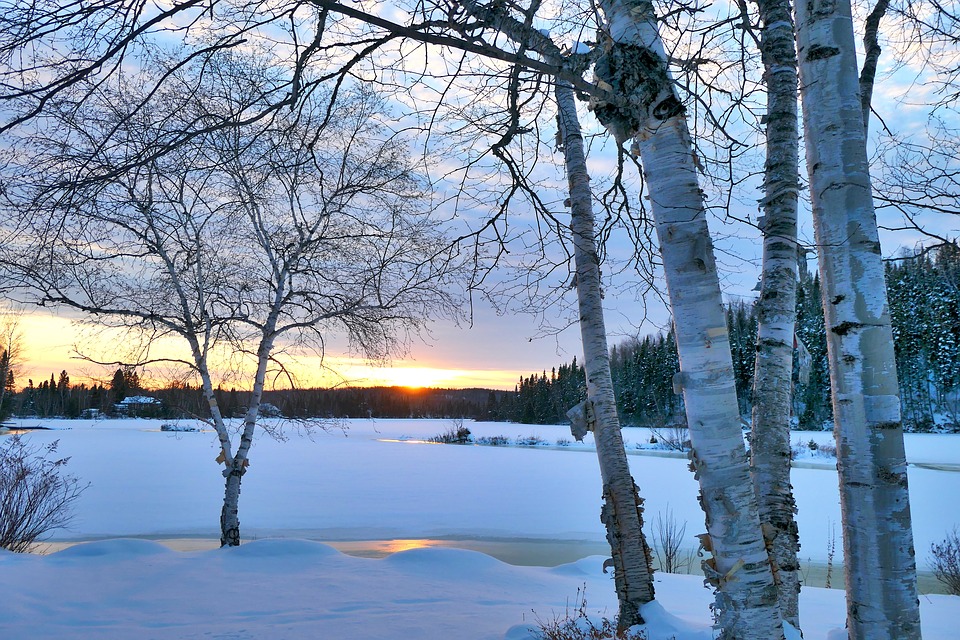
x=639, y=101
x=623, y=508
x=879, y=564
x=634, y=65
x=622, y=512
x=776, y=307
x=245, y=238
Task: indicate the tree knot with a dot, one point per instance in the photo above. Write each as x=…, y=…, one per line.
x=639, y=76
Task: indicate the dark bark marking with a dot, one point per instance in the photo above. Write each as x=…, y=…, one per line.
x=844, y=328
x=838, y=299
x=771, y=342
x=821, y=7
x=892, y=477
x=887, y=425
x=821, y=52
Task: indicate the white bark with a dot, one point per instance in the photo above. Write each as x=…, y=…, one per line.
x=747, y=598
x=236, y=465
x=622, y=514
x=776, y=308
x=878, y=542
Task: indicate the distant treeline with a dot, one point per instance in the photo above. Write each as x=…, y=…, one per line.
x=924, y=293
x=125, y=397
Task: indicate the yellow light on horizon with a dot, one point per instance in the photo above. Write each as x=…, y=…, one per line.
x=396, y=546
x=49, y=343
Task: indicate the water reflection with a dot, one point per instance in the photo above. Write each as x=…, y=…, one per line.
x=382, y=548
x=523, y=552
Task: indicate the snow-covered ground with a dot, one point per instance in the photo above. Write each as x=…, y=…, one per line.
x=375, y=481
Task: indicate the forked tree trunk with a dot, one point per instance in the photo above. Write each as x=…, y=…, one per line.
x=233, y=469
x=879, y=563
x=776, y=308
x=633, y=66
x=622, y=513
x=235, y=463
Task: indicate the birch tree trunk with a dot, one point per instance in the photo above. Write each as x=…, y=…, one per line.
x=235, y=464
x=776, y=308
x=230, y=511
x=622, y=513
x=633, y=66
x=879, y=563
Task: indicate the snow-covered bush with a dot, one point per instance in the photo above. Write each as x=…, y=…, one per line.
x=453, y=435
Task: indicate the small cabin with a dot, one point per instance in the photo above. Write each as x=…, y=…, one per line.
x=139, y=407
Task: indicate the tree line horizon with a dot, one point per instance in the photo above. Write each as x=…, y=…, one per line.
x=925, y=308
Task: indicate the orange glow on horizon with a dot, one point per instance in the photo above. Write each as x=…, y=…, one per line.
x=396, y=546
x=49, y=342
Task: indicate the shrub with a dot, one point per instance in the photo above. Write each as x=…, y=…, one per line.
x=36, y=497
x=577, y=625
x=531, y=441
x=945, y=558
x=668, y=539
x=494, y=441
x=671, y=437
x=828, y=451
x=799, y=449
x=453, y=435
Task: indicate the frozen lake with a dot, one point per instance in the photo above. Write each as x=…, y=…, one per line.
x=367, y=480
x=408, y=510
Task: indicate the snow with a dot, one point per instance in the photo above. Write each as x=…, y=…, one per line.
x=139, y=400
x=581, y=48
x=375, y=481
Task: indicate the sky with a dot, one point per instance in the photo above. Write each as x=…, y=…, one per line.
x=492, y=353
x=493, y=350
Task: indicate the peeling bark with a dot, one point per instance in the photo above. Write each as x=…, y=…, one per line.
x=622, y=513
x=879, y=564
x=776, y=308
x=740, y=569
